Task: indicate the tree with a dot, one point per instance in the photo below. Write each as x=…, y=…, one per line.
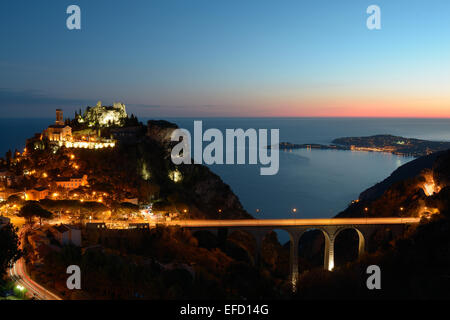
x=33, y=209
x=124, y=209
x=14, y=199
x=9, y=247
x=8, y=156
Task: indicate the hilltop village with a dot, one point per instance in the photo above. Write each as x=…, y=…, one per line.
x=102, y=156
x=100, y=127
x=99, y=188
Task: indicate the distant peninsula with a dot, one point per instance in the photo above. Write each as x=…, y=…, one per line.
x=378, y=143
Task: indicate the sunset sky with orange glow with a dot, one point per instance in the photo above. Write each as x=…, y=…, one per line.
x=231, y=58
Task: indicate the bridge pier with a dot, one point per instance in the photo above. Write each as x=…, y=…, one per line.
x=328, y=262
x=293, y=258
x=330, y=237
x=361, y=244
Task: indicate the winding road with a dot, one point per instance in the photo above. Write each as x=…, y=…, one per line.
x=18, y=273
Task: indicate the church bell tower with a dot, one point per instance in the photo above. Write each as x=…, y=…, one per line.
x=59, y=117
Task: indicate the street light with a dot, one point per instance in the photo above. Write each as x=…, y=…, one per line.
x=20, y=288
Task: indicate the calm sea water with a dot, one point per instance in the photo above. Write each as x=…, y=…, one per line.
x=319, y=183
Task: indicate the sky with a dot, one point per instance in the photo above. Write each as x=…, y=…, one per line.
x=227, y=58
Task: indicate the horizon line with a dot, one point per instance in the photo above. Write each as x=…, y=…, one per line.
x=260, y=117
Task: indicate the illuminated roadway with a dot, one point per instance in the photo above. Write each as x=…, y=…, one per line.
x=289, y=222
x=18, y=273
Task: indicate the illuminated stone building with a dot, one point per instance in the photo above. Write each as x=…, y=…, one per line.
x=59, y=131
x=61, y=134
x=72, y=182
x=36, y=194
x=104, y=116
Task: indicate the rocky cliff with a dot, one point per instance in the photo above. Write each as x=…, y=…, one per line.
x=411, y=190
x=208, y=196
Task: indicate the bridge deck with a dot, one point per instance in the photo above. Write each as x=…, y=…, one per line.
x=290, y=222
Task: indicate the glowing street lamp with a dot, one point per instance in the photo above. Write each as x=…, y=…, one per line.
x=20, y=288
x=294, y=210
x=366, y=212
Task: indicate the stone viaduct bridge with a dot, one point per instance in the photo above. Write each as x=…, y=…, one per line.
x=330, y=228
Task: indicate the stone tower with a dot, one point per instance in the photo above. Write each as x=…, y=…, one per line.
x=59, y=117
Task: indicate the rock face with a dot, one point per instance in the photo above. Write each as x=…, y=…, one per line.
x=412, y=190
x=160, y=131
x=408, y=170
x=209, y=197
x=441, y=170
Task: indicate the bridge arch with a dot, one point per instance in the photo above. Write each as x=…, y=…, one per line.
x=254, y=250
x=360, y=235
x=206, y=238
x=310, y=253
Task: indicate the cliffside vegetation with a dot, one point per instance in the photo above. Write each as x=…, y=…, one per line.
x=9, y=248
